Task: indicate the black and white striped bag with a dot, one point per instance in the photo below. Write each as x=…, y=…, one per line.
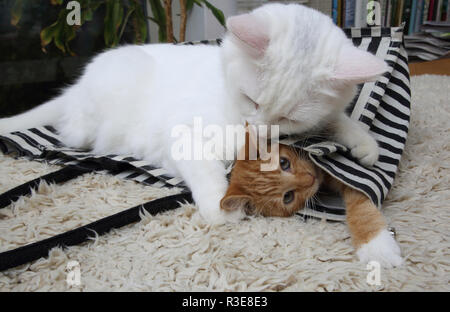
x=382, y=107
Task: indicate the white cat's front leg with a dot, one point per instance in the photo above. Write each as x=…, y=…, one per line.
x=362, y=145
x=382, y=248
x=208, y=183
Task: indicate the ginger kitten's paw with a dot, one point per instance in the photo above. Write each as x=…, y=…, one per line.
x=366, y=151
x=383, y=249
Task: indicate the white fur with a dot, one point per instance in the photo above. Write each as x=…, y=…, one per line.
x=129, y=99
x=383, y=249
x=361, y=144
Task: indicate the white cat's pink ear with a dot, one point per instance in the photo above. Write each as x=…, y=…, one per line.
x=358, y=66
x=251, y=31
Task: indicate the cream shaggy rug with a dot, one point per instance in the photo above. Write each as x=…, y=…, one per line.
x=178, y=251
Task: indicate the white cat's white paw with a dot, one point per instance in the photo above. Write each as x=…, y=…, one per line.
x=366, y=151
x=382, y=248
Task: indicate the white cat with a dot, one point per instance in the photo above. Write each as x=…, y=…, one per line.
x=280, y=64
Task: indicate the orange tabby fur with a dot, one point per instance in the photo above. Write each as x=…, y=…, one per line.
x=264, y=193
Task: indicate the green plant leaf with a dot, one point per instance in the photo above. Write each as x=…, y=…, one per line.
x=113, y=20
x=160, y=17
x=140, y=24
x=69, y=35
x=216, y=12
x=88, y=9
x=16, y=12
x=189, y=5
x=55, y=32
x=59, y=39
x=125, y=21
x=47, y=34
x=117, y=18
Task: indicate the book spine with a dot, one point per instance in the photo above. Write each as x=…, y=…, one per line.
x=412, y=17
x=387, y=21
x=418, y=18
x=406, y=15
x=343, y=13
x=383, y=5
x=358, y=12
x=430, y=11
x=444, y=10
x=334, y=11
x=426, y=8
x=350, y=13
x=437, y=17
x=393, y=12
x=448, y=11
x=361, y=13
x=433, y=10
x=400, y=12
x=339, y=15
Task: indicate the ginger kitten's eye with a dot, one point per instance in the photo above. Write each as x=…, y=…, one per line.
x=288, y=197
x=285, y=164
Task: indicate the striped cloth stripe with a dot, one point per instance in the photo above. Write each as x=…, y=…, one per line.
x=382, y=107
x=44, y=144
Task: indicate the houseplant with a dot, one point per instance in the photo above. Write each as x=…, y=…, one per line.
x=119, y=14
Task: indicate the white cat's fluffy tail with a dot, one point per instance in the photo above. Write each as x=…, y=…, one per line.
x=43, y=115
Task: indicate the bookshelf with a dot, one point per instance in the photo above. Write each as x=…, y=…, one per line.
x=415, y=13
x=427, y=22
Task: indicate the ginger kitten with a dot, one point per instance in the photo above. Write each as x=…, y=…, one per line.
x=284, y=191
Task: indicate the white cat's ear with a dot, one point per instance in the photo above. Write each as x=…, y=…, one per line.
x=251, y=31
x=357, y=66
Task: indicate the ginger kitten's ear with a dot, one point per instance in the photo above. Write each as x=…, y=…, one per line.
x=234, y=200
x=357, y=66
x=251, y=31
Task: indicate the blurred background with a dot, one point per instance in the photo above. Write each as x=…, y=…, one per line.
x=40, y=53
x=41, y=50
